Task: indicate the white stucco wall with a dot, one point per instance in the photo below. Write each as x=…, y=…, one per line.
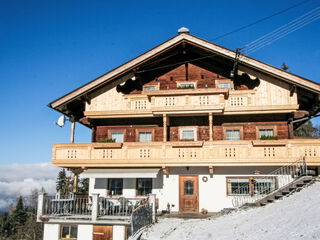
x=118, y=232
x=51, y=231
x=85, y=232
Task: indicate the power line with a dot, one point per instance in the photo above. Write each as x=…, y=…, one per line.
x=260, y=20
x=283, y=31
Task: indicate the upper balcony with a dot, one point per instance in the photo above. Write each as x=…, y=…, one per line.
x=208, y=153
x=188, y=101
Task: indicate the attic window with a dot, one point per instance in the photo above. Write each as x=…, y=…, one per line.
x=150, y=88
x=171, y=78
x=187, y=85
x=202, y=76
x=225, y=85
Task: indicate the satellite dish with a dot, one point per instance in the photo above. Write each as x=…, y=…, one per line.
x=61, y=121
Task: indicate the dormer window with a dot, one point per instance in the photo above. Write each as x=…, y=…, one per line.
x=187, y=85
x=225, y=85
x=150, y=88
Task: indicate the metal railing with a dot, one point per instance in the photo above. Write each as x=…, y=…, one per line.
x=256, y=189
x=119, y=207
x=65, y=207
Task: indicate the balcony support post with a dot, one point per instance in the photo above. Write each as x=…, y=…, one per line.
x=76, y=172
x=73, y=125
x=210, y=127
x=40, y=206
x=165, y=128
x=95, y=206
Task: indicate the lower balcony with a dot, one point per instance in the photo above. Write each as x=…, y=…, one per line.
x=93, y=209
x=209, y=153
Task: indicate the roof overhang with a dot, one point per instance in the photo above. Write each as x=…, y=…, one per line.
x=121, y=173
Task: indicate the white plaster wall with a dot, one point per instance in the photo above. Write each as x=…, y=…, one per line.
x=85, y=232
x=101, y=192
x=118, y=232
x=51, y=231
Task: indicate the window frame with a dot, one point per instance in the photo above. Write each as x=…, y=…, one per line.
x=137, y=190
x=251, y=185
x=109, y=184
x=225, y=129
x=70, y=226
x=258, y=128
x=147, y=86
x=138, y=131
x=195, y=132
x=187, y=83
x=224, y=81
x=117, y=130
x=118, y=133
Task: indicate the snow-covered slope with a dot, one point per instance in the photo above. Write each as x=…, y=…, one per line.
x=294, y=217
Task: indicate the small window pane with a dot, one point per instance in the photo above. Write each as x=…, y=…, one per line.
x=65, y=231
x=264, y=185
x=188, y=135
x=144, y=186
x=145, y=137
x=265, y=132
x=188, y=188
x=186, y=85
x=74, y=232
x=238, y=186
x=117, y=136
x=150, y=88
x=115, y=186
x=232, y=134
x=225, y=85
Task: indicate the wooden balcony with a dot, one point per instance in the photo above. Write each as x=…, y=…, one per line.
x=209, y=153
x=190, y=101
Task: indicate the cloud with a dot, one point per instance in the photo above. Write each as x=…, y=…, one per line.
x=20, y=179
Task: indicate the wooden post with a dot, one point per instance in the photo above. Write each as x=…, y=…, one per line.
x=75, y=183
x=164, y=128
x=210, y=127
x=73, y=125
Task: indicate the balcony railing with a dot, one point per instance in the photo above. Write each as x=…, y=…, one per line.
x=90, y=208
x=214, y=153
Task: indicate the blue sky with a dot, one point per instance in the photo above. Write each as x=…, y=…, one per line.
x=48, y=48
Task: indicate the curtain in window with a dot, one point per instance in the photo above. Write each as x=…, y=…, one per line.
x=188, y=134
x=145, y=137
x=232, y=134
x=117, y=136
x=265, y=132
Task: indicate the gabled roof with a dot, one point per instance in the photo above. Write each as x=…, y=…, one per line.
x=126, y=70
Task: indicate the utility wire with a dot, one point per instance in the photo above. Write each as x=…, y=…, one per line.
x=282, y=31
x=260, y=20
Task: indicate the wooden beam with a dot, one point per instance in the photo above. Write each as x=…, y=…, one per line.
x=211, y=171
x=165, y=170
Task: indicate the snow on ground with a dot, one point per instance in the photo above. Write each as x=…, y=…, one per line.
x=294, y=217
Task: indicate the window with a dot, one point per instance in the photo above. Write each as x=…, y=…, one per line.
x=250, y=185
x=188, y=188
x=115, y=186
x=188, y=134
x=232, y=134
x=224, y=85
x=266, y=132
x=100, y=183
x=69, y=232
x=144, y=186
x=145, y=136
x=150, y=88
x=117, y=136
x=187, y=85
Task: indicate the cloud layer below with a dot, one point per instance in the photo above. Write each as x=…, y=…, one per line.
x=20, y=179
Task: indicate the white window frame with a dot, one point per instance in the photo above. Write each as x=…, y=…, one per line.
x=117, y=133
x=263, y=129
x=188, y=129
x=224, y=83
x=233, y=130
x=145, y=88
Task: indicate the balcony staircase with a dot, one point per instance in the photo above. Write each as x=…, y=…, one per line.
x=294, y=186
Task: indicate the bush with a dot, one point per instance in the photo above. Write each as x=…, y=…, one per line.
x=269, y=137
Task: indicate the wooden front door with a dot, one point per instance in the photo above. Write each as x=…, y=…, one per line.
x=102, y=232
x=188, y=194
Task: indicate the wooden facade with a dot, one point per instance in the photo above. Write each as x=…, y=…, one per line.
x=155, y=95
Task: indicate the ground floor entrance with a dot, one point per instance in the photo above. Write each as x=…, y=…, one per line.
x=189, y=194
x=102, y=232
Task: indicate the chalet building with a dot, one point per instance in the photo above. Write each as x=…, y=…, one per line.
x=190, y=126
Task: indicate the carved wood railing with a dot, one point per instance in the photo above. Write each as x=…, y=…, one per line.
x=215, y=153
